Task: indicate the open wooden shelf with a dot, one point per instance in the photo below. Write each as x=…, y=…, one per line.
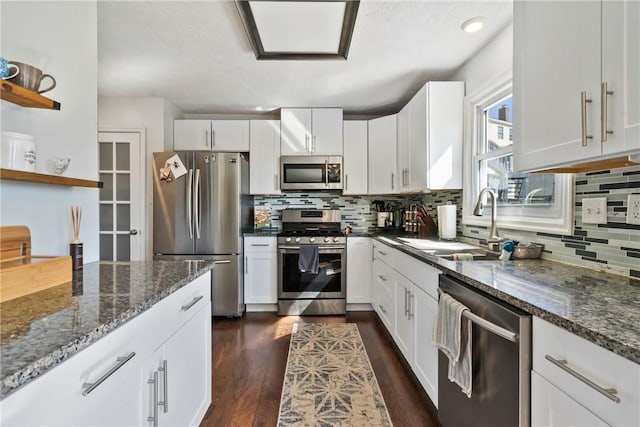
x=42, y=178
x=25, y=97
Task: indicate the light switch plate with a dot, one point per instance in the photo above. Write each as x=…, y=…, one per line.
x=594, y=210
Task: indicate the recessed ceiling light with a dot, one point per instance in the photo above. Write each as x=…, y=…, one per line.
x=474, y=24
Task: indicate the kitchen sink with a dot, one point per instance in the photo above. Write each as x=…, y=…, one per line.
x=477, y=256
x=438, y=245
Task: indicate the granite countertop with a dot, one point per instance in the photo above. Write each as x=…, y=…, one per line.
x=41, y=330
x=600, y=307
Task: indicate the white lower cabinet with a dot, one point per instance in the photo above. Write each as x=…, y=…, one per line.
x=569, y=369
x=106, y=383
x=404, y=296
x=405, y=324
x=178, y=381
x=358, y=270
x=260, y=270
x=425, y=362
x=551, y=407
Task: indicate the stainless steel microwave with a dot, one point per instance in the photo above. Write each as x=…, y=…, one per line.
x=311, y=172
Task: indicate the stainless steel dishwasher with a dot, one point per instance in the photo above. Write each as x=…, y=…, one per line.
x=501, y=364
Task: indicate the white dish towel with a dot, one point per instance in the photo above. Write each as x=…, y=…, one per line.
x=452, y=335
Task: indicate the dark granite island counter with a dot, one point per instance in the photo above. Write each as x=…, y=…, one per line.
x=41, y=330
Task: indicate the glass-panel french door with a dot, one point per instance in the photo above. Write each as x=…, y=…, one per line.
x=121, y=196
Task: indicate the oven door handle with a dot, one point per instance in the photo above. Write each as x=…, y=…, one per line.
x=319, y=247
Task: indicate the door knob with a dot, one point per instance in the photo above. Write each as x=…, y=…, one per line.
x=133, y=232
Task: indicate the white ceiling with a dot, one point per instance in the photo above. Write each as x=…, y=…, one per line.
x=196, y=54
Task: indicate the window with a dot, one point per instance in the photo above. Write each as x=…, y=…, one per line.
x=525, y=201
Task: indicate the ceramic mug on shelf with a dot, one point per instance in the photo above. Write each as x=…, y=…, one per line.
x=8, y=69
x=31, y=78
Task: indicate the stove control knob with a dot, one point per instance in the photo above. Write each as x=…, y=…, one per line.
x=288, y=239
x=312, y=239
x=335, y=239
x=297, y=240
x=326, y=239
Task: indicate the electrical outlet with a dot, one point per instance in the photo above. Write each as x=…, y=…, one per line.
x=633, y=209
x=594, y=211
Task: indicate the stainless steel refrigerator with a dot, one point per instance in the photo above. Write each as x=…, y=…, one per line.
x=202, y=215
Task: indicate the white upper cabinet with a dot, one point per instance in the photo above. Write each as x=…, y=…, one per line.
x=230, y=135
x=382, y=155
x=191, y=135
x=430, y=139
x=264, y=159
x=354, y=157
x=311, y=131
x=215, y=135
x=561, y=65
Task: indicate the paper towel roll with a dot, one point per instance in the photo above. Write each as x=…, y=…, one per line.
x=447, y=221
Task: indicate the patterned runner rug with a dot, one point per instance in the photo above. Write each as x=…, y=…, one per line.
x=329, y=381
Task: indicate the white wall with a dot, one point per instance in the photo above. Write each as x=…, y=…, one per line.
x=61, y=39
x=494, y=59
x=154, y=116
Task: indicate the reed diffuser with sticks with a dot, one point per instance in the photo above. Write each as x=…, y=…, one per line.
x=75, y=248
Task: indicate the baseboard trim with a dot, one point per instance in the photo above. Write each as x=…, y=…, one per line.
x=359, y=307
x=256, y=308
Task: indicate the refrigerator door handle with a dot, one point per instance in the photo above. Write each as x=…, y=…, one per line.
x=197, y=203
x=189, y=202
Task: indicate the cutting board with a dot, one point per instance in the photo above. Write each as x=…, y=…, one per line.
x=22, y=273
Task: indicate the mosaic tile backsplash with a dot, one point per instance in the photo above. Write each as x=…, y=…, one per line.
x=614, y=246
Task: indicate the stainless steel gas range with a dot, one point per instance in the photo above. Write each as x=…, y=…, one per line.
x=300, y=291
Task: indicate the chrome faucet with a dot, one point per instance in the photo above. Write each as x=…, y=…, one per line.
x=494, y=240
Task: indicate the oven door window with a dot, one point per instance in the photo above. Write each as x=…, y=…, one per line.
x=328, y=279
x=304, y=173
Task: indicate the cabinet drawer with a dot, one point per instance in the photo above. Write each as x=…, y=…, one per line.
x=176, y=309
x=594, y=363
x=260, y=244
x=386, y=310
x=385, y=277
x=384, y=253
x=420, y=273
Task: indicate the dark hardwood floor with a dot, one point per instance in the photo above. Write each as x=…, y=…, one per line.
x=249, y=361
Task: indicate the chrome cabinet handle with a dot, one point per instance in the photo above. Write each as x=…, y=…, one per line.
x=406, y=304
x=120, y=361
x=604, y=92
x=346, y=181
x=382, y=309
x=246, y=264
x=306, y=143
x=384, y=279
x=314, y=148
x=190, y=202
x=191, y=303
x=206, y=138
x=224, y=261
x=165, y=387
x=583, y=109
x=259, y=244
x=326, y=172
x=154, y=383
x=392, y=179
x=197, y=199
x=382, y=253
x=213, y=138
x=277, y=183
x=411, y=305
x=609, y=393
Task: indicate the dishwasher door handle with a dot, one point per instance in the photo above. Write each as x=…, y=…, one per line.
x=489, y=326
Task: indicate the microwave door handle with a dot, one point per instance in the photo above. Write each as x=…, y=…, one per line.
x=197, y=198
x=189, y=203
x=326, y=173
